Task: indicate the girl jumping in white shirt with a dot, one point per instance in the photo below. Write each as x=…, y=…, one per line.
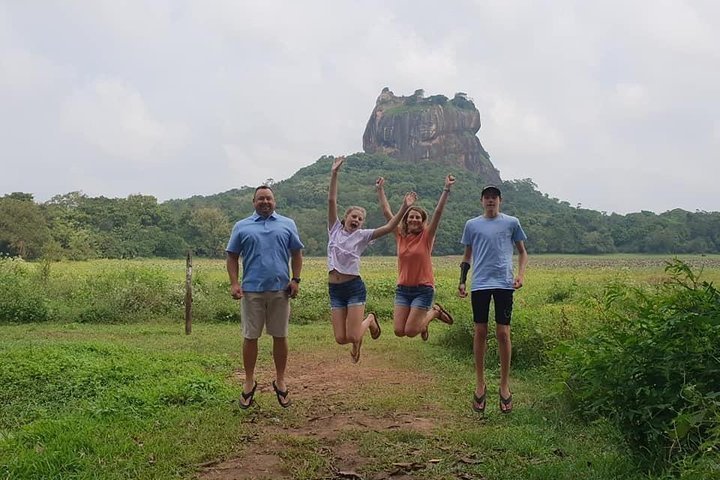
x=347, y=241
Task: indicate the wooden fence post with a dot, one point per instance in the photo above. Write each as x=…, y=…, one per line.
x=188, y=294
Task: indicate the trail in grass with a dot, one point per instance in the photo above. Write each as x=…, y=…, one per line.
x=331, y=399
x=402, y=414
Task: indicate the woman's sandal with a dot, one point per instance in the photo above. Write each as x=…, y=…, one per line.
x=281, y=396
x=355, y=351
x=506, y=405
x=445, y=316
x=376, y=334
x=248, y=397
x=479, y=402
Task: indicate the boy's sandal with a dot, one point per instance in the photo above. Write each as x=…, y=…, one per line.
x=479, y=402
x=425, y=334
x=376, y=334
x=506, y=405
x=281, y=396
x=248, y=397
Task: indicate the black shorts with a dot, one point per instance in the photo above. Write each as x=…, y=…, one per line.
x=503, y=305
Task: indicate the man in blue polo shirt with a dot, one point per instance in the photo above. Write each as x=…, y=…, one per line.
x=489, y=240
x=267, y=243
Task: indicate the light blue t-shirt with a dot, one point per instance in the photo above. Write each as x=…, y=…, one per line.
x=492, y=241
x=265, y=245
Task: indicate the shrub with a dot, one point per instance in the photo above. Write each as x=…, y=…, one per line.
x=561, y=292
x=537, y=327
x=125, y=294
x=653, y=367
x=192, y=391
x=21, y=296
x=212, y=301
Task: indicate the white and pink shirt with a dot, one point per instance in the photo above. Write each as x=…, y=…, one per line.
x=344, y=248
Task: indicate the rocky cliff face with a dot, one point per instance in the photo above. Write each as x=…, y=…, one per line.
x=433, y=129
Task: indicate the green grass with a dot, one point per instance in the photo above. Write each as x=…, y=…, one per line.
x=143, y=400
x=146, y=401
x=129, y=400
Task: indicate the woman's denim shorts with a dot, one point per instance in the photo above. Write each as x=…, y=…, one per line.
x=415, y=297
x=347, y=294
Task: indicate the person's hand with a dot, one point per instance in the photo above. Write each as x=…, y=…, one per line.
x=449, y=181
x=379, y=183
x=337, y=163
x=410, y=198
x=236, y=291
x=518, y=283
x=292, y=289
x=462, y=293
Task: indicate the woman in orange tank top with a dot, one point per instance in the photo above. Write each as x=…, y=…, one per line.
x=415, y=237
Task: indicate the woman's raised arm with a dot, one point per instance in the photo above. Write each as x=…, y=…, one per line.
x=432, y=228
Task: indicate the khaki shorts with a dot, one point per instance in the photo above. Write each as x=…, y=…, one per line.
x=264, y=309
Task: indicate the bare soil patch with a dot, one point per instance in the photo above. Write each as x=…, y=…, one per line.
x=331, y=398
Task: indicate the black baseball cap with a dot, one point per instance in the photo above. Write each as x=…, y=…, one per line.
x=491, y=189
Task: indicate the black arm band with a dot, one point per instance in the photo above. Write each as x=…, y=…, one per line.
x=464, y=269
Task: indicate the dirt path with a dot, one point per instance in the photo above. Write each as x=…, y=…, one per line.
x=329, y=399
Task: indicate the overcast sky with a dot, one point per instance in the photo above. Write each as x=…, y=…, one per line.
x=613, y=105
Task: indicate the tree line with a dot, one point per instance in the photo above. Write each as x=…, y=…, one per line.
x=75, y=226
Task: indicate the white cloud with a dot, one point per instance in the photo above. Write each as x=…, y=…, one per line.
x=252, y=165
x=141, y=22
x=521, y=131
x=24, y=72
x=633, y=98
x=586, y=98
x=678, y=27
x=112, y=116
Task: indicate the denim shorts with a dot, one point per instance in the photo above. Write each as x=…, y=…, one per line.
x=347, y=294
x=415, y=297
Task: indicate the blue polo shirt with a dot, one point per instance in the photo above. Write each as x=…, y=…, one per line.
x=492, y=241
x=265, y=245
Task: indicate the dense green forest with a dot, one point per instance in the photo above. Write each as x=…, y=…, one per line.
x=75, y=226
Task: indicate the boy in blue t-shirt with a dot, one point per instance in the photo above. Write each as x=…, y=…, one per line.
x=489, y=241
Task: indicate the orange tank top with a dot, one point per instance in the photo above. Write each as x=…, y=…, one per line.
x=414, y=262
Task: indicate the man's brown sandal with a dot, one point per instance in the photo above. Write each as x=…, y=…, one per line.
x=248, y=397
x=281, y=396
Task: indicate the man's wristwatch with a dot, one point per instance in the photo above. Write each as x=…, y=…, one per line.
x=295, y=279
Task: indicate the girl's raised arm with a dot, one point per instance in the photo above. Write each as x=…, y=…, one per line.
x=332, y=191
x=382, y=199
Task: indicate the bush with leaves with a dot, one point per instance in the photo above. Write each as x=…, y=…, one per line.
x=654, y=368
x=22, y=299
x=124, y=293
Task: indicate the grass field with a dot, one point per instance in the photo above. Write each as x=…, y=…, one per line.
x=134, y=397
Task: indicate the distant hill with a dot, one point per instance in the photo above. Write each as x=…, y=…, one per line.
x=77, y=227
x=552, y=225
x=304, y=198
